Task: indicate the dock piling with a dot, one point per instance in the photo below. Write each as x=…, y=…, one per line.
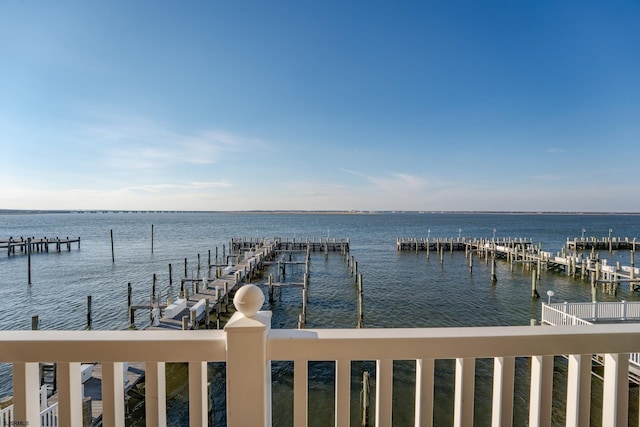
x=494, y=278
x=365, y=400
x=88, y=311
x=534, y=290
x=129, y=295
x=271, y=288
x=29, y=261
x=153, y=288
x=113, y=256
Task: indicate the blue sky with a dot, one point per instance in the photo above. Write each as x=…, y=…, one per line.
x=363, y=105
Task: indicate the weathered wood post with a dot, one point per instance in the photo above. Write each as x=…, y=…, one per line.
x=632, y=272
x=355, y=269
x=194, y=319
x=366, y=400
x=428, y=247
x=304, y=306
x=271, y=288
x=88, y=311
x=534, y=290
x=198, y=266
x=170, y=276
x=185, y=268
x=494, y=278
x=35, y=322
x=153, y=289
x=113, y=256
x=225, y=287
x=539, y=268
x=129, y=295
x=151, y=238
x=29, y=260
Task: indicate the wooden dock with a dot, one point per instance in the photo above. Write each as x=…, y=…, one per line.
x=603, y=243
x=200, y=297
x=31, y=245
x=239, y=245
x=524, y=251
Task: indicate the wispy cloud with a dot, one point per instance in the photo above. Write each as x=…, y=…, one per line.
x=131, y=142
x=314, y=189
x=556, y=150
x=392, y=182
x=157, y=188
x=547, y=178
x=194, y=195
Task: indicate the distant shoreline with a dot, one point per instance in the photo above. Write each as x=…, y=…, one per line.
x=307, y=212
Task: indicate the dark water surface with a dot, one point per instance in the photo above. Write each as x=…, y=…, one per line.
x=401, y=289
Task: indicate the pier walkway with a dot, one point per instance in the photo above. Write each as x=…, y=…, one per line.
x=199, y=297
x=33, y=245
x=524, y=251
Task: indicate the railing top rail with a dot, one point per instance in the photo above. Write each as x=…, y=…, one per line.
x=446, y=343
x=320, y=344
x=112, y=346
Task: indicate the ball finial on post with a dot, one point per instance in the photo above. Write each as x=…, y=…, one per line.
x=248, y=300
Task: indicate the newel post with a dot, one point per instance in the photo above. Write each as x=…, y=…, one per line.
x=248, y=370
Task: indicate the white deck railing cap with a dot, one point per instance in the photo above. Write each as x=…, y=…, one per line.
x=248, y=300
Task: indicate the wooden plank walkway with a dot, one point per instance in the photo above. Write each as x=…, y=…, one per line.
x=328, y=245
x=198, y=298
x=35, y=245
x=192, y=309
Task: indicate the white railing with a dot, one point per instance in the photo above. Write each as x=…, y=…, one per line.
x=48, y=417
x=593, y=311
x=559, y=314
x=248, y=346
x=6, y=416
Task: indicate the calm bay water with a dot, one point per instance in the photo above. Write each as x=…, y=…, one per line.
x=401, y=289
